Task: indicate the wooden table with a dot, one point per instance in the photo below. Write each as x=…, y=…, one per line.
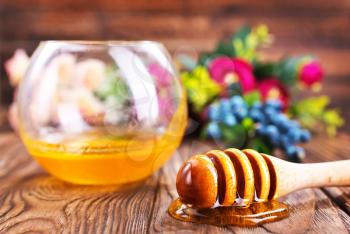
x=32, y=200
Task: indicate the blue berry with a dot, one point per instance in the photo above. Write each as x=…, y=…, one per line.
x=256, y=115
x=270, y=122
x=260, y=130
x=270, y=113
x=225, y=107
x=279, y=120
x=257, y=105
x=274, y=140
x=293, y=124
x=237, y=101
x=305, y=135
x=274, y=104
x=271, y=132
x=214, y=112
x=291, y=153
x=295, y=153
x=294, y=135
x=230, y=120
x=214, y=130
x=284, y=123
x=284, y=142
x=240, y=112
x=300, y=152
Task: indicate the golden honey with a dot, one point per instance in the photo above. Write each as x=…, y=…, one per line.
x=99, y=157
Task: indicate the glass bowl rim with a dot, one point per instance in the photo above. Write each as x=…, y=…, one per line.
x=102, y=43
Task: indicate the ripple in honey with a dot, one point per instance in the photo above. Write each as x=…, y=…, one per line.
x=254, y=215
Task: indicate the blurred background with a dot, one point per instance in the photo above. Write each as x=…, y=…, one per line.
x=318, y=27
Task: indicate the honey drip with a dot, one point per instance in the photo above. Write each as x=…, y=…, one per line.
x=257, y=213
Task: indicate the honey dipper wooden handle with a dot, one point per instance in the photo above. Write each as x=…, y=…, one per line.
x=240, y=177
x=294, y=176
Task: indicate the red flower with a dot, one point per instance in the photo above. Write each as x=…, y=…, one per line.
x=273, y=89
x=226, y=71
x=310, y=73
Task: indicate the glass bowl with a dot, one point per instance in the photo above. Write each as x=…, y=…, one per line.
x=101, y=112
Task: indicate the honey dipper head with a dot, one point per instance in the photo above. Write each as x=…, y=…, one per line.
x=225, y=178
x=196, y=182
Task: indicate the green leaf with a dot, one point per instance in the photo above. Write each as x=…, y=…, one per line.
x=333, y=121
x=206, y=58
x=286, y=70
x=313, y=112
x=242, y=33
x=259, y=145
x=252, y=97
x=200, y=88
x=242, y=44
x=234, y=89
x=224, y=48
x=265, y=70
x=204, y=133
x=113, y=88
x=234, y=136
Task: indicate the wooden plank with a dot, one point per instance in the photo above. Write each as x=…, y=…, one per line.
x=4, y=124
x=32, y=201
x=332, y=149
x=311, y=209
x=119, y=5
x=181, y=5
x=326, y=31
x=341, y=196
x=326, y=36
x=335, y=61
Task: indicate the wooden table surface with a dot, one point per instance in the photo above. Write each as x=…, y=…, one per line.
x=32, y=200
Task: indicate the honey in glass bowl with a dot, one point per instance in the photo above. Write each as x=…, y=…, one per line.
x=101, y=112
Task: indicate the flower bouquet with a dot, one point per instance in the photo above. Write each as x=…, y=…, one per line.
x=246, y=102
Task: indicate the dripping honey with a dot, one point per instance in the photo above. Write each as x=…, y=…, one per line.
x=98, y=157
x=253, y=215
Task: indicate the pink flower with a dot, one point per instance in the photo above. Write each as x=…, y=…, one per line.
x=16, y=66
x=165, y=108
x=161, y=75
x=273, y=89
x=163, y=79
x=310, y=73
x=226, y=71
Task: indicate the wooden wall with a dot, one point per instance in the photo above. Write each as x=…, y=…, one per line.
x=321, y=27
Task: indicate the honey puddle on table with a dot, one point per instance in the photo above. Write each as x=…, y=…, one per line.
x=254, y=215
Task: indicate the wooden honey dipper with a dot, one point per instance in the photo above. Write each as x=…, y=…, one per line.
x=235, y=177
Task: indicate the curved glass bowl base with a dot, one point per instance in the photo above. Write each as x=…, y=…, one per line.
x=100, y=158
x=117, y=168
